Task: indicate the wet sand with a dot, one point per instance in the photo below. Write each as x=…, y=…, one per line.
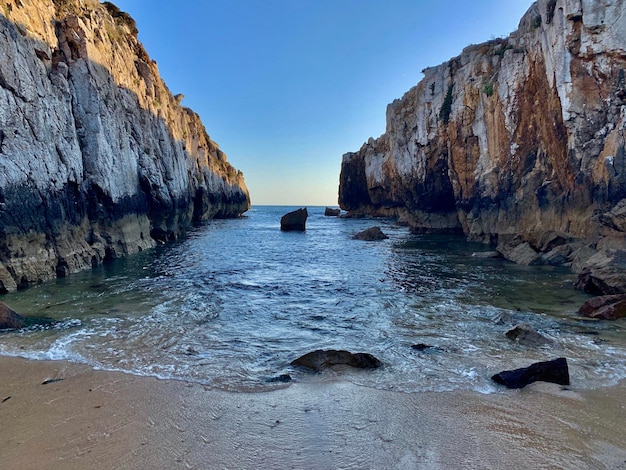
x=103, y=420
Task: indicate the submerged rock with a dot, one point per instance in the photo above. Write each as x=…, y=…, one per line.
x=9, y=319
x=320, y=359
x=371, y=234
x=527, y=336
x=330, y=212
x=294, y=221
x=487, y=255
x=555, y=371
x=605, y=307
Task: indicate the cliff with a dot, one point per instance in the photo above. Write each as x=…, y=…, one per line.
x=97, y=158
x=519, y=142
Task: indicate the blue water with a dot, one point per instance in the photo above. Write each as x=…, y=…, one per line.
x=236, y=301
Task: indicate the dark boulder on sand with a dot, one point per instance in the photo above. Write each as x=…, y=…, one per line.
x=555, y=371
x=9, y=319
x=294, y=221
x=371, y=234
x=320, y=359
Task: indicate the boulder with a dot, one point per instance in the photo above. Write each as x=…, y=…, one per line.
x=555, y=371
x=525, y=335
x=294, y=221
x=330, y=212
x=371, y=234
x=522, y=253
x=604, y=273
x=320, y=359
x=605, y=307
x=9, y=319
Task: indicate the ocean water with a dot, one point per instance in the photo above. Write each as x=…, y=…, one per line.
x=236, y=301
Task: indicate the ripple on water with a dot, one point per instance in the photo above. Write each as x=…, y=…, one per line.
x=233, y=304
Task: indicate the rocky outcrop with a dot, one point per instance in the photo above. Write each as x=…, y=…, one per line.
x=330, y=212
x=513, y=139
x=97, y=158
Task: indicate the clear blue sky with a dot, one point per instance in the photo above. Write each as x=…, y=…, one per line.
x=286, y=87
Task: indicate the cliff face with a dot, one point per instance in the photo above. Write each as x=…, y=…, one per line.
x=97, y=158
x=514, y=138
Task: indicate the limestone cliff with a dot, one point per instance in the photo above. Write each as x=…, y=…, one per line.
x=97, y=158
x=513, y=139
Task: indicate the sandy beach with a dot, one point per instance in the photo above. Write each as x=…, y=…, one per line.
x=57, y=415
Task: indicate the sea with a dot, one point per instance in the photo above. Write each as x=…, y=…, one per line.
x=233, y=303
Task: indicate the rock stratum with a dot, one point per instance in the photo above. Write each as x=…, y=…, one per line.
x=518, y=142
x=98, y=159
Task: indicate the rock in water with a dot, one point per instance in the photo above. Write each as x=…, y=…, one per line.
x=97, y=159
x=330, y=212
x=527, y=336
x=605, y=307
x=371, y=234
x=294, y=221
x=555, y=371
x=9, y=319
x=320, y=359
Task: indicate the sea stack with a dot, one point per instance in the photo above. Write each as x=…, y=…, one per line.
x=97, y=159
x=511, y=141
x=294, y=221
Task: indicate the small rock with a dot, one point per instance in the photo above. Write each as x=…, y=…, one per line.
x=371, y=234
x=294, y=221
x=605, y=307
x=487, y=255
x=527, y=336
x=283, y=378
x=555, y=371
x=330, y=212
x=320, y=359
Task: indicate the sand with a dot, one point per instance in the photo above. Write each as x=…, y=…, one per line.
x=105, y=420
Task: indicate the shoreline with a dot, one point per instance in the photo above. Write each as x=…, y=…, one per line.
x=65, y=415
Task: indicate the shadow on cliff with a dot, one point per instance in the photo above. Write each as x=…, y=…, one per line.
x=46, y=232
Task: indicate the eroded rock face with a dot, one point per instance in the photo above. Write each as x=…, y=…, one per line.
x=97, y=158
x=514, y=137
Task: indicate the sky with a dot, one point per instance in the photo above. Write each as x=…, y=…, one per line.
x=286, y=87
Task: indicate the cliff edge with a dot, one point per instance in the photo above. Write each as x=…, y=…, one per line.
x=97, y=158
x=518, y=142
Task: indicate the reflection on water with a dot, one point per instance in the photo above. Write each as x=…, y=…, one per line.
x=235, y=302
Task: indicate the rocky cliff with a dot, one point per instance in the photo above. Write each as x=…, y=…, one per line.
x=518, y=142
x=97, y=158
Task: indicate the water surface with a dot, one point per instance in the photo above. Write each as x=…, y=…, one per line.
x=231, y=305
